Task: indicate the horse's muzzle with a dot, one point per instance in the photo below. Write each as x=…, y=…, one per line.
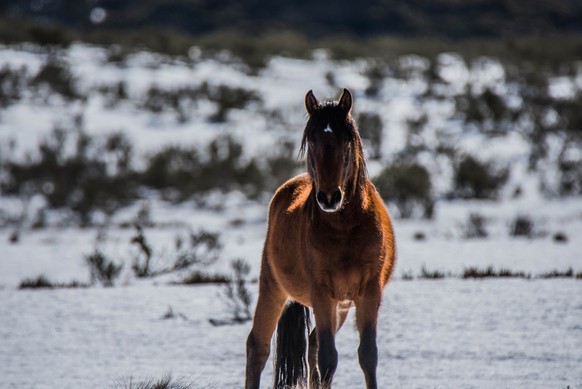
x=330, y=201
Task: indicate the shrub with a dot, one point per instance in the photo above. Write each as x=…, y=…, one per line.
x=227, y=98
x=407, y=185
x=281, y=164
x=238, y=297
x=370, y=127
x=431, y=275
x=11, y=85
x=182, y=172
x=103, y=269
x=202, y=249
x=56, y=75
x=570, y=166
x=488, y=110
x=475, y=228
x=178, y=100
x=95, y=176
x=522, y=226
x=474, y=179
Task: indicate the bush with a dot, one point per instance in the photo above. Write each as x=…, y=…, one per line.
x=281, y=164
x=95, y=176
x=475, y=227
x=408, y=186
x=370, y=127
x=56, y=75
x=570, y=165
x=227, y=98
x=182, y=172
x=103, y=269
x=11, y=85
x=202, y=249
x=237, y=296
x=487, y=111
x=522, y=226
x=180, y=101
x=474, y=179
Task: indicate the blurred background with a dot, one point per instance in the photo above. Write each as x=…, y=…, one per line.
x=140, y=142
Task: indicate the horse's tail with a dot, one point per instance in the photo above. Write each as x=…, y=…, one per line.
x=291, y=368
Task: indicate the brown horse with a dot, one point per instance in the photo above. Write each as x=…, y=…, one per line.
x=329, y=245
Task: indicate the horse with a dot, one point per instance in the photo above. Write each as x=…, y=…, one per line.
x=329, y=246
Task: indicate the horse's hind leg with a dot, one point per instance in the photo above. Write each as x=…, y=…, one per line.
x=269, y=307
x=366, y=321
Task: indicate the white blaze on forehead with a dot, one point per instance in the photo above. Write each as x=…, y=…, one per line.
x=327, y=129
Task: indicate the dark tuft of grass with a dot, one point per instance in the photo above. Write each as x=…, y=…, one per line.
x=431, y=274
x=199, y=277
x=166, y=382
x=42, y=282
x=560, y=237
x=569, y=273
x=490, y=272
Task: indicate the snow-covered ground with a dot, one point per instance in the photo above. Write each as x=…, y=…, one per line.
x=442, y=334
x=432, y=334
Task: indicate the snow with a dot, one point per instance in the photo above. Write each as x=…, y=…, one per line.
x=452, y=333
x=447, y=333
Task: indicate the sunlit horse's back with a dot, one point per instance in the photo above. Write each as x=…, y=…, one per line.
x=329, y=245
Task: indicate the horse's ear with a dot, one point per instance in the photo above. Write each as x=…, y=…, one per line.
x=345, y=102
x=311, y=102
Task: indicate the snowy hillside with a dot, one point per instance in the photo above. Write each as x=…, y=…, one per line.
x=94, y=141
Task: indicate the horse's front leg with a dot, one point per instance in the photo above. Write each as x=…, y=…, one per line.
x=269, y=307
x=366, y=320
x=324, y=310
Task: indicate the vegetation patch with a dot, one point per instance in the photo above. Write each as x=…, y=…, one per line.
x=431, y=274
x=477, y=180
x=42, y=282
x=103, y=269
x=201, y=277
x=408, y=186
x=568, y=273
x=490, y=272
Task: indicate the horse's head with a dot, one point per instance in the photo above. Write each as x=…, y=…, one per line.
x=334, y=151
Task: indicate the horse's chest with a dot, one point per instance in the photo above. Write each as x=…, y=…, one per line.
x=345, y=273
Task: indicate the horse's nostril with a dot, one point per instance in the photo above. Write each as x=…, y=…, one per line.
x=336, y=197
x=322, y=198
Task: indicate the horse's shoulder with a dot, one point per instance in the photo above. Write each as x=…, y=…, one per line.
x=292, y=194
